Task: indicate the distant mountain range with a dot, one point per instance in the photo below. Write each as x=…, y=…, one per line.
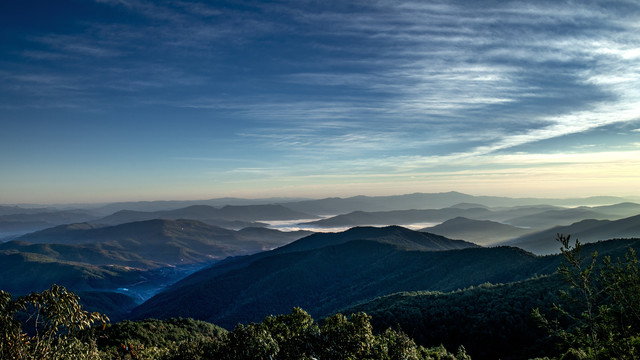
x=536, y=217
x=16, y=220
x=325, y=272
x=151, y=243
x=12, y=210
x=140, y=248
x=163, y=205
x=234, y=213
x=561, y=217
x=482, y=232
x=228, y=216
x=420, y=201
x=543, y=242
x=136, y=259
x=398, y=217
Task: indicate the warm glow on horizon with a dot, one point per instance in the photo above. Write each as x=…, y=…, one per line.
x=139, y=101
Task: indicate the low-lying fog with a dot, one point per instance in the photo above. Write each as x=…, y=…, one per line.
x=295, y=225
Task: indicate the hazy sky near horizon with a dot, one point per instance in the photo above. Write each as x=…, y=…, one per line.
x=109, y=100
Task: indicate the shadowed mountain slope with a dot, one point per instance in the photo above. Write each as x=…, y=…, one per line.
x=586, y=230
x=116, y=305
x=148, y=243
x=482, y=232
x=394, y=235
x=490, y=321
x=22, y=273
x=325, y=279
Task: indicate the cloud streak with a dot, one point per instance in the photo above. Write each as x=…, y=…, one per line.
x=301, y=89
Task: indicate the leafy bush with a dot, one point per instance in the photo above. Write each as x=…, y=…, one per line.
x=297, y=336
x=44, y=326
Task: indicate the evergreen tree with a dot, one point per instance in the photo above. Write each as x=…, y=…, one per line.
x=600, y=318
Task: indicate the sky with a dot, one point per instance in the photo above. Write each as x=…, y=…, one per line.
x=116, y=100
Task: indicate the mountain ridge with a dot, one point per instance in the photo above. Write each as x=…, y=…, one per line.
x=322, y=276
x=234, y=216
x=417, y=240
x=589, y=230
x=149, y=243
x=482, y=232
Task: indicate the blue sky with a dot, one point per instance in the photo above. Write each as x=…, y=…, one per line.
x=110, y=100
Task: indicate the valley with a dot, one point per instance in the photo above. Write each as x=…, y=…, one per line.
x=241, y=263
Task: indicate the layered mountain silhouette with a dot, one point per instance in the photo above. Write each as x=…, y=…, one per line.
x=535, y=217
x=235, y=213
x=399, y=217
x=394, y=235
x=586, y=231
x=482, y=232
x=16, y=220
x=234, y=217
x=151, y=243
x=558, y=217
x=323, y=273
x=331, y=206
x=254, y=271
x=163, y=205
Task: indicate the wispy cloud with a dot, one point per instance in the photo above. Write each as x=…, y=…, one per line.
x=310, y=90
x=480, y=71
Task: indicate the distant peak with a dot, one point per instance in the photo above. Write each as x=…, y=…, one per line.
x=120, y=212
x=458, y=220
x=464, y=205
x=197, y=207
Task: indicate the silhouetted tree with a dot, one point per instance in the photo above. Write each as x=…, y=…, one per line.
x=600, y=318
x=44, y=326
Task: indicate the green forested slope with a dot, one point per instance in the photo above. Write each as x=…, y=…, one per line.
x=146, y=244
x=21, y=273
x=395, y=235
x=326, y=279
x=490, y=321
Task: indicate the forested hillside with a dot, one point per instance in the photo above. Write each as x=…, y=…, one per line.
x=66, y=331
x=589, y=309
x=497, y=321
x=441, y=298
x=326, y=278
x=491, y=321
